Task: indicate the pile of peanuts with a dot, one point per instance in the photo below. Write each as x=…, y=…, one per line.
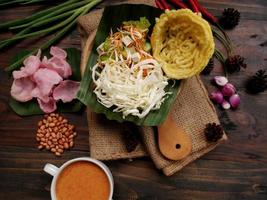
x=55, y=134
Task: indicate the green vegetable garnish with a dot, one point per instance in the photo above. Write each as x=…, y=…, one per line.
x=104, y=57
x=106, y=44
x=143, y=23
x=147, y=46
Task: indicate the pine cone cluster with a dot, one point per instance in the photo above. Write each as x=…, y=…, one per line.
x=130, y=139
x=257, y=83
x=230, y=18
x=213, y=132
x=209, y=67
x=234, y=63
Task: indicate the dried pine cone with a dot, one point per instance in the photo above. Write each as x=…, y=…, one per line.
x=209, y=67
x=257, y=83
x=213, y=132
x=230, y=18
x=131, y=140
x=234, y=63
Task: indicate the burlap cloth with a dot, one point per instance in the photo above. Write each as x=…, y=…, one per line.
x=192, y=110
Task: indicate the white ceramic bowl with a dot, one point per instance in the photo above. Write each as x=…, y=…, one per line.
x=55, y=171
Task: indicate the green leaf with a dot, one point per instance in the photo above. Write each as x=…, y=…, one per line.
x=32, y=107
x=18, y=56
x=74, y=59
x=25, y=108
x=113, y=17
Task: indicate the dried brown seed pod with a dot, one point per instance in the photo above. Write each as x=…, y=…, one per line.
x=213, y=132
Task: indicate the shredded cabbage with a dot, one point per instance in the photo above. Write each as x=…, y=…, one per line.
x=124, y=84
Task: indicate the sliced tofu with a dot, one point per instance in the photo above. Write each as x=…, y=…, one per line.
x=126, y=40
x=135, y=57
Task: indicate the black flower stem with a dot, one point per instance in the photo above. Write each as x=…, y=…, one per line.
x=223, y=40
x=219, y=55
x=224, y=33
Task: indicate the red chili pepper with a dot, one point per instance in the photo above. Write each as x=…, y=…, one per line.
x=207, y=15
x=164, y=3
x=193, y=6
x=178, y=3
x=159, y=5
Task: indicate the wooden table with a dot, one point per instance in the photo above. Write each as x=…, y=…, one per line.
x=235, y=170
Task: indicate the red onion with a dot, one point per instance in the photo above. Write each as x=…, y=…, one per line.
x=220, y=80
x=228, y=90
x=234, y=100
x=226, y=105
x=216, y=96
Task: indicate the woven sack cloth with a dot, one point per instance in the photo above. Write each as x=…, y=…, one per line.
x=192, y=110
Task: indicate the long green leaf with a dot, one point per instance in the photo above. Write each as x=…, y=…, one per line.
x=57, y=37
x=7, y=3
x=52, y=19
x=36, y=15
x=48, y=30
x=52, y=14
x=112, y=18
x=8, y=43
x=32, y=1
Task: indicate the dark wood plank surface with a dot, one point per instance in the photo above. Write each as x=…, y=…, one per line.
x=235, y=170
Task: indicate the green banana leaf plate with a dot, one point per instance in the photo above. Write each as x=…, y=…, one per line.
x=112, y=18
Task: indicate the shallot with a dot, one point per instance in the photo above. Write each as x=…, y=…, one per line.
x=226, y=94
x=226, y=105
x=228, y=90
x=220, y=80
x=234, y=100
x=217, y=96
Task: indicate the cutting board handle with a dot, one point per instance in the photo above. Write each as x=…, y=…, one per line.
x=174, y=142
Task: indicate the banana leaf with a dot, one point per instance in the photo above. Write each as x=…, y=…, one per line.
x=112, y=18
x=31, y=107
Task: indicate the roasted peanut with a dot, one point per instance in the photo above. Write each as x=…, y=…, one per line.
x=55, y=134
x=71, y=144
x=66, y=145
x=60, y=150
x=58, y=154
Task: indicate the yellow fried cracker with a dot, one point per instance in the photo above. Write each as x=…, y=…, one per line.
x=182, y=42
